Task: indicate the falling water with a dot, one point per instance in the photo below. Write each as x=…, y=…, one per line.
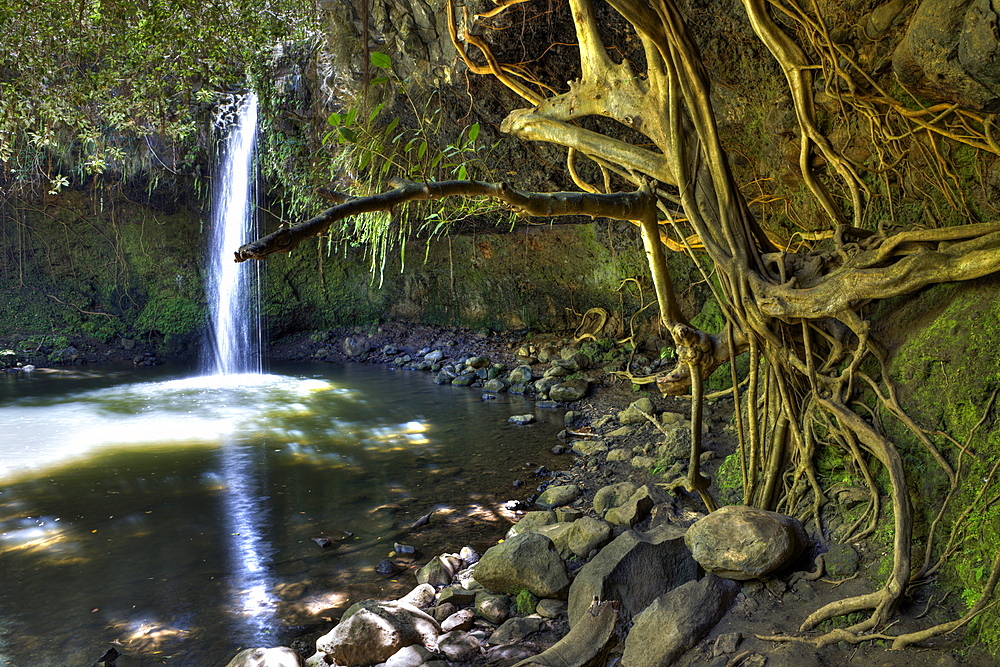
x=233, y=296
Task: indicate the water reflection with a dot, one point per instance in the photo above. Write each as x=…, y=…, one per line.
x=175, y=516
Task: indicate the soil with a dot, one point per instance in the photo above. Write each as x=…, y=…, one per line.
x=774, y=606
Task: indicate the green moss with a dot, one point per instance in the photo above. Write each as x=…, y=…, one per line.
x=525, y=602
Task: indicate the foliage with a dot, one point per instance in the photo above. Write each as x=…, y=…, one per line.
x=114, y=88
x=525, y=602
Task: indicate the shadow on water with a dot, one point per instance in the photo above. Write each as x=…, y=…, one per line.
x=176, y=516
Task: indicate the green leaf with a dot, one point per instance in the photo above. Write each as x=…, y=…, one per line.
x=422, y=150
x=463, y=174
x=352, y=113
x=348, y=134
x=392, y=126
x=333, y=119
x=379, y=80
x=381, y=60
x=473, y=132
x=436, y=161
x=328, y=136
x=378, y=109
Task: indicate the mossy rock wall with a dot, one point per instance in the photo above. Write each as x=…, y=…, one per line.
x=943, y=358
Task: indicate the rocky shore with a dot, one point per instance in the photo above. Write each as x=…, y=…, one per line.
x=610, y=559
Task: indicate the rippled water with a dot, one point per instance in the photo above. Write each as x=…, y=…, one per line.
x=174, y=516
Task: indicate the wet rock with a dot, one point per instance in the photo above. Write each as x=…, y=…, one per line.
x=521, y=420
x=469, y=555
x=444, y=377
x=571, y=390
x=464, y=380
x=515, y=630
x=527, y=560
x=477, y=362
x=520, y=375
x=676, y=621
x=557, y=496
x=739, y=542
x=258, y=657
x=496, y=385
x=543, y=385
x=434, y=356
x=372, y=631
x=634, y=569
x=387, y=567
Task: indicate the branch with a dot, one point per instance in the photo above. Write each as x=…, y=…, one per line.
x=618, y=206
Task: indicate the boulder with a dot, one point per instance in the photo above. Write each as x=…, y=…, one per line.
x=527, y=560
x=355, y=346
x=460, y=620
x=549, y=608
x=633, y=510
x=267, y=657
x=514, y=630
x=494, y=608
x=409, y=656
x=632, y=414
x=613, y=495
x=634, y=569
x=459, y=646
x=532, y=520
x=420, y=597
x=372, y=631
x=589, y=447
x=571, y=390
x=579, y=537
x=557, y=496
x=520, y=375
x=437, y=572
x=740, y=543
x=676, y=621
x=521, y=420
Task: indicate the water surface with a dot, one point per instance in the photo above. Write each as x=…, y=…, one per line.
x=175, y=515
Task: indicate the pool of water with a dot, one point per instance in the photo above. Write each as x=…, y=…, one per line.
x=174, y=516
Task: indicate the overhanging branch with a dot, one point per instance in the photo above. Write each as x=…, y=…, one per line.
x=618, y=206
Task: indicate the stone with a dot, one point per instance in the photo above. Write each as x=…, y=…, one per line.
x=527, y=560
x=642, y=461
x=621, y=432
x=589, y=447
x=464, y=380
x=567, y=514
x=532, y=520
x=619, y=455
x=437, y=572
x=741, y=543
x=840, y=560
x=494, y=608
x=456, y=595
x=612, y=495
x=549, y=608
x=477, y=362
x=676, y=621
x=459, y=646
x=355, y=346
x=578, y=538
x=420, y=597
x=460, y=620
x=372, y=631
x=544, y=384
x=444, y=377
x=267, y=657
x=434, y=356
x=443, y=611
x=573, y=361
x=633, y=510
x=634, y=569
x=496, y=385
x=571, y=390
x=520, y=375
x=521, y=420
x=514, y=630
x=632, y=414
x=557, y=496
x=409, y=656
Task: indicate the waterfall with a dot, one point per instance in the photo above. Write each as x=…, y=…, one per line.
x=233, y=289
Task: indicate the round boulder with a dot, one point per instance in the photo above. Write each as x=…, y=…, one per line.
x=738, y=542
x=371, y=632
x=527, y=560
x=571, y=390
